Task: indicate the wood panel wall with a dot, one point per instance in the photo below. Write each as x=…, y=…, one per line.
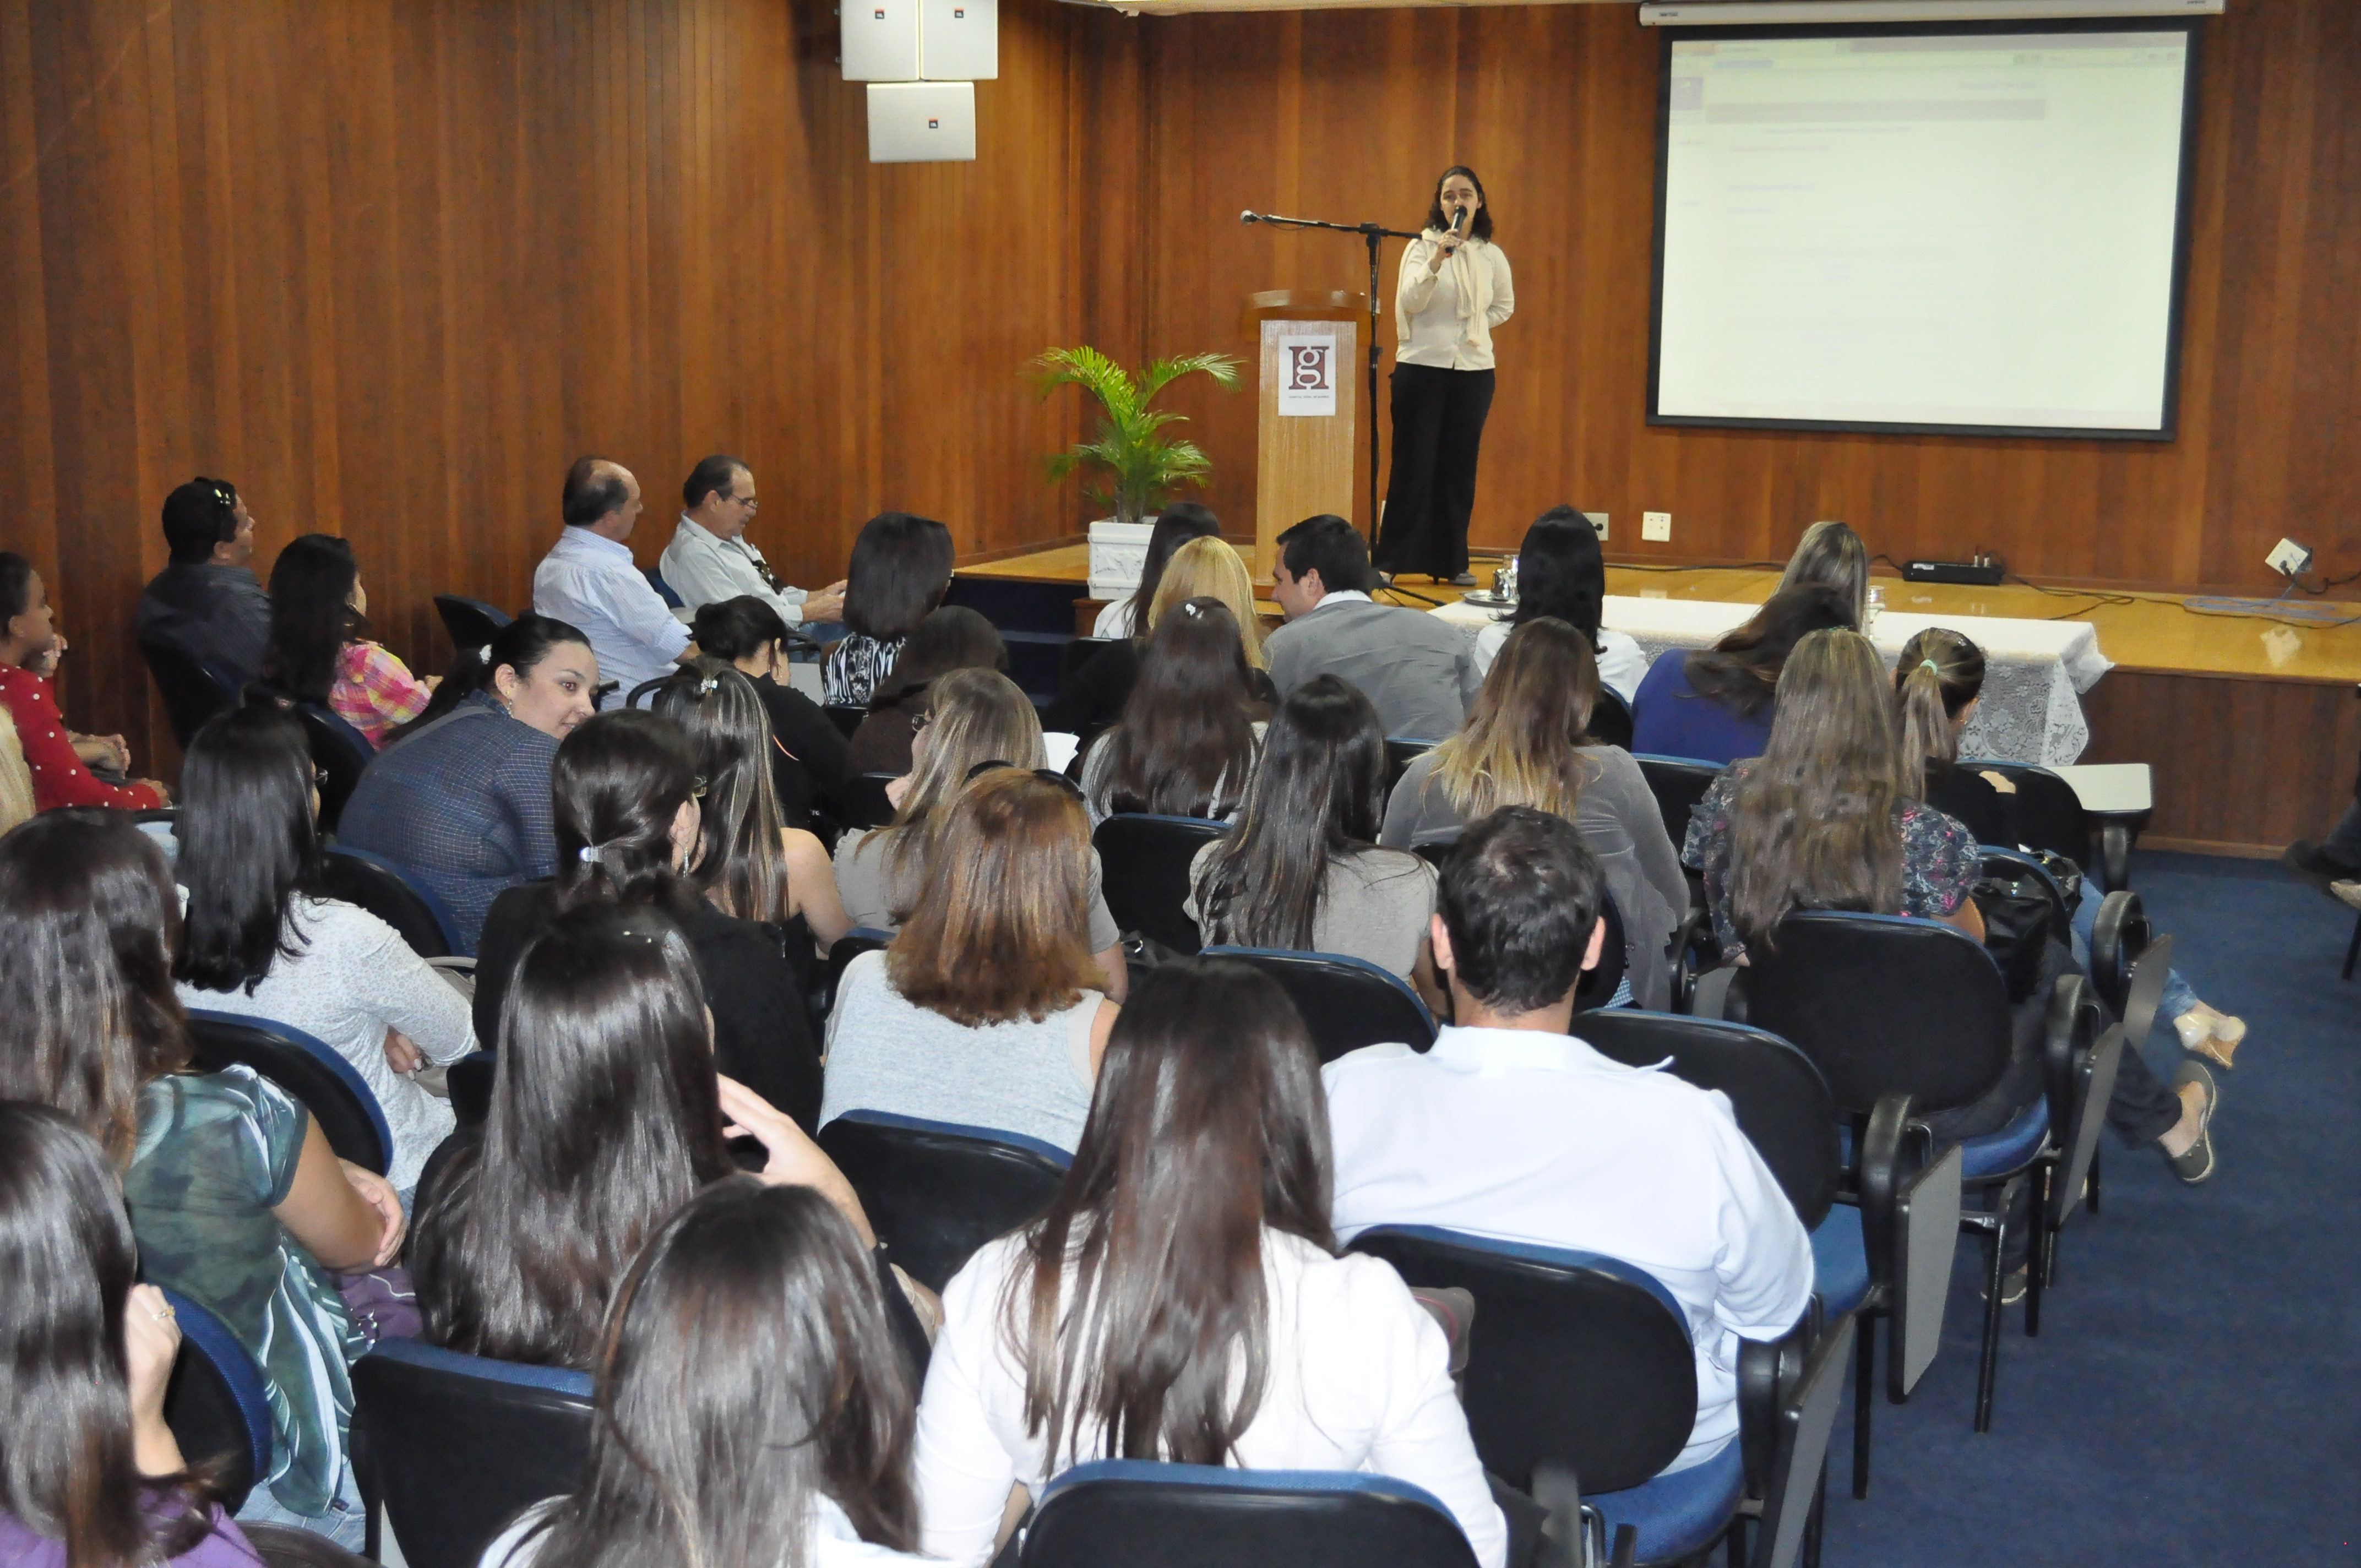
x=390, y=264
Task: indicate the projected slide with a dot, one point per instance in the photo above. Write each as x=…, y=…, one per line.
x=1968, y=231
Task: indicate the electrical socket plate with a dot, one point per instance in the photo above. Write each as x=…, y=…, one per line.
x=2288, y=559
x=1599, y=521
x=1656, y=526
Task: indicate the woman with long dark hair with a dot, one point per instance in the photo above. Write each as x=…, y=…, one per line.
x=1202, y=568
x=261, y=939
x=1302, y=869
x=1526, y=741
x=606, y=1117
x=808, y=753
x=755, y=1408
x=952, y=637
x=319, y=613
x=901, y=568
x=1191, y=728
x=236, y=1198
x=1453, y=293
x=460, y=798
x=1182, y=1299
x=1562, y=575
x=629, y=828
x=1176, y=525
x=1715, y=703
x=89, y=1475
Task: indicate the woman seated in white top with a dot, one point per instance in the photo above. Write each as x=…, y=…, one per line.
x=260, y=941
x=973, y=717
x=1191, y=729
x=1176, y=525
x=1562, y=573
x=753, y=1406
x=1196, y=1220
x=983, y=1010
x=1301, y=870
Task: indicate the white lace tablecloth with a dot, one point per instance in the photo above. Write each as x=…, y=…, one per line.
x=2035, y=670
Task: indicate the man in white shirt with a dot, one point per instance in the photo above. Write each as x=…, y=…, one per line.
x=709, y=559
x=589, y=580
x=1512, y=1128
x=1418, y=670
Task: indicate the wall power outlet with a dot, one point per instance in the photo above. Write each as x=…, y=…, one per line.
x=1656, y=526
x=2288, y=559
x=1599, y=521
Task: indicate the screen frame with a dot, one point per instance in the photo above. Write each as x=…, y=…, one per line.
x=2168, y=431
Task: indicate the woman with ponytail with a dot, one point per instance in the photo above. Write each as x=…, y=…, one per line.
x=1936, y=685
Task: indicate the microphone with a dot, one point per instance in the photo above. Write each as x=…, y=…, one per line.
x=1458, y=215
x=1248, y=217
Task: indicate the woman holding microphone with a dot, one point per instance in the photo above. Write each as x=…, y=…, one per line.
x=1455, y=289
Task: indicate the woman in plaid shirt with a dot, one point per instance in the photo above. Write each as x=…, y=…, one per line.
x=317, y=655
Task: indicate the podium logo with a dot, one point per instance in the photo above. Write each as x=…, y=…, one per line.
x=1307, y=366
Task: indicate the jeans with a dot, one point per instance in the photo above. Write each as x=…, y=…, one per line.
x=345, y=1522
x=2179, y=996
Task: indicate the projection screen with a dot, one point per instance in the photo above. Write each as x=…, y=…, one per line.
x=1971, y=232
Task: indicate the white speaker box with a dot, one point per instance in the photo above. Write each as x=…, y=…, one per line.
x=880, y=39
x=959, y=40
x=921, y=122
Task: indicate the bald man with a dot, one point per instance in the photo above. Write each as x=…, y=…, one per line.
x=589, y=580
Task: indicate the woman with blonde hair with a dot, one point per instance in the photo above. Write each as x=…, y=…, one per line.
x=1202, y=568
x=1830, y=555
x=972, y=718
x=985, y=1010
x=1526, y=742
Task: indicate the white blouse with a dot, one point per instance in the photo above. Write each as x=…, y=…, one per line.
x=1622, y=662
x=1428, y=318
x=1358, y=1380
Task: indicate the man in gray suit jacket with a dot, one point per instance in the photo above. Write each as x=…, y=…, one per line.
x=1418, y=672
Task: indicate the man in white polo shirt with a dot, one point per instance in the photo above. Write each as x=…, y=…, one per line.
x=710, y=558
x=1514, y=1129
x=589, y=580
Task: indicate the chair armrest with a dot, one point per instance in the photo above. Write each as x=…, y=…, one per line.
x=1768, y=1371
x=1692, y=953
x=1892, y=1149
x=2066, y=1035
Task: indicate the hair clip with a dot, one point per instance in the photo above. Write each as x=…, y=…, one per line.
x=592, y=854
x=484, y=655
x=709, y=686
x=1191, y=608
x=1930, y=664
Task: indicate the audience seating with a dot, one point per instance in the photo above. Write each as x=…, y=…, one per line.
x=218, y=1401
x=339, y=752
x=1679, y=784
x=846, y=717
x=2049, y=815
x=851, y=945
x=1077, y=652
x=935, y=1192
x=1144, y=1514
x=1904, y=1017
x=1400, y=754
x=337, y=1097
x=377, y=885
x=863, y=802
x=1346, y=1003
x=664, y=590
x=469, y=1081
x=193, y=690
x=471, y=623
x=2082, y=1051
x=1145, y=861
x=1610, y=720
x=456, y=1446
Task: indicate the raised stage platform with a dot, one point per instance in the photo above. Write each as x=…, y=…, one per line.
x=2251, y=724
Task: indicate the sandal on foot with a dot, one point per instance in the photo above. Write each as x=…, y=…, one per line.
x=2195, y=1163
x=2210, y=1035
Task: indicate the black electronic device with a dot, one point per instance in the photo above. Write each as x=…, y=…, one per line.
x=1983, y=572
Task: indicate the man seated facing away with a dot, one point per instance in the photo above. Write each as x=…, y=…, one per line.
x=589, y=580
x=207, y=601
x=1512, y=1128
x=1418, y=670
x=710, y=560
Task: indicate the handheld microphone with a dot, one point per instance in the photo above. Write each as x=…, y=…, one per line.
x=1248, y=217
x=1458, y=215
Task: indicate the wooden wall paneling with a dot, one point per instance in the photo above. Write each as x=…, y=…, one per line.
x=2240, y=765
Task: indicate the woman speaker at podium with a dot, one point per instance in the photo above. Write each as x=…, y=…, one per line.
x=1455, y=291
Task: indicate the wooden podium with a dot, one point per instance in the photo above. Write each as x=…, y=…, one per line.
x=1310, y=343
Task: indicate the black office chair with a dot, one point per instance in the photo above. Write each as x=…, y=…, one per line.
x=851, y=945
x=846, y=717
x=337, y=1097
x=1400, y=754
x=1346, y=1003
x=339, y=752
x=863, y=803
x=193, y=690
x=218, y=1401
x=1610, y=720
x=2048, y=813
x=1076, y=654
x=935, y=1192
x=1142, y=1514
x=2083, y=1051
x=664, y=590
x=456, y=1446
x=386, y=891
x=1145, y=863
x=1679, y=784
x=472, y=623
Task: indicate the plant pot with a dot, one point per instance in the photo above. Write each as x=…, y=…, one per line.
x=1118, y=554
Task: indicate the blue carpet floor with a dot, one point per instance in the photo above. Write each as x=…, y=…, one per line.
x=2195, y=1394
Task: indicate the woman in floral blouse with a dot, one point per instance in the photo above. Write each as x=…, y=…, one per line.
x=317, y=612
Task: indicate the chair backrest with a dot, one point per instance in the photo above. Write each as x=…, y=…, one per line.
x=472, y=623
x=1346, y=1003
x=664, y=590
x=341, y=753
x=337, y=1097
x=1148, y=1515
x=379, y=886
x=469, y=1080
x=1146, y=861
x=456, y=1446
x=2005, y=864
x=218, y=1401
x=1781, y=1102
x=1077, y=652
x=863, y=803
x=1679, y=784
x=2048, y=813
x=935, y=1192
x=194, y=691
x=1577, y=1362
x=1400, y=754
x=1610, y=719
x=851, y=945
x=846, y=717
x=1882, y=1005
x=2120, y=934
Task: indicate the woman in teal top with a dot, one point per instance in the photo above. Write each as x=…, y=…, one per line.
x=237, y=1200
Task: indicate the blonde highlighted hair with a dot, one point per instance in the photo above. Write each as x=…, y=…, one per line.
x=1522, y=743
x=1209, y=569
x=973, y=716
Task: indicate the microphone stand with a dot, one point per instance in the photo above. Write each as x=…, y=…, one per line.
x=1376, y=234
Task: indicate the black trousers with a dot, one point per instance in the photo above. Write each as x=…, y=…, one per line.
x=1438, y=432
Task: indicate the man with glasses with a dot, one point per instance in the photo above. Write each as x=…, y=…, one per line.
x=709, y=559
